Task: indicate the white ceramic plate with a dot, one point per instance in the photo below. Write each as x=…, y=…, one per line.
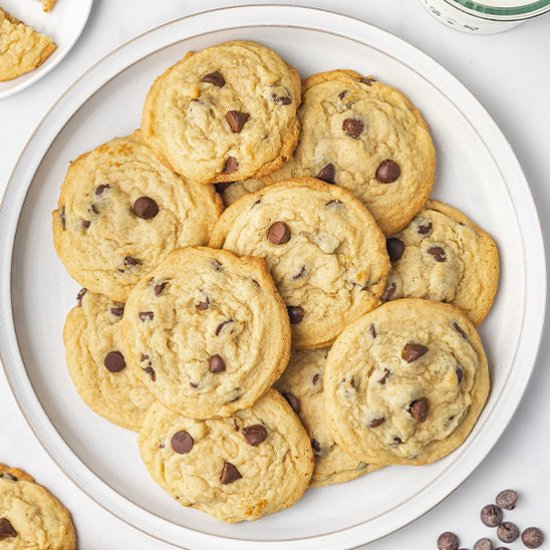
x=63, y=23
x=477, y=172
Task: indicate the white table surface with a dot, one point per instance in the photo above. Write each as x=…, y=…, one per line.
x=510, y=74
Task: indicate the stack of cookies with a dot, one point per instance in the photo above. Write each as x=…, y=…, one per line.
x=320, y=327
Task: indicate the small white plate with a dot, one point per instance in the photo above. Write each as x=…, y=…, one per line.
x=63, y=24
x=477, y=172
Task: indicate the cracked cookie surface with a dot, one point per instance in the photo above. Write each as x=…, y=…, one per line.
x=406, y=383
x=326, y=254
x=254, y=463
x=120, y=213
x=207, y=332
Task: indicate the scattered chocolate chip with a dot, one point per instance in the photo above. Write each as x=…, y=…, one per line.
x=507, y=499
x=101, y=188
x=94, y=209
x=86, y=224
x=419, y=409
x=235, y=425
x=80, y=295
x=327, y=173
x=460, y=330
x=491, y=515
x=221, y=187
x=315, y=378
x=216, y=364
x=438, y=254
x=231, y=165
x=353, y=383
x=425, y=229
x=507, y=531
x=145, y=208
x=292, y=401
x=237, y=120
x=159, y=288
x=117, y=311
x=281, y=100
x=447, y=541
x=114, y=361
x=532, y=537
x=388, y=171
x=315, y=445
x=229, y=474
x=376, y=422
x=397, y=440
x=151, y=372
x=413, y=351
x=372, y=330
x=255, y=434
x=146, y=316
x=6, y=529
x=459, y=374
x=342, y=94
x=295, y=314
x=214, y=78
x=366, y=80
x=483, y=544
x=7, y=475
x=216, y=265
x=193, y=385
x=389, y=292
x=333, y=202
x=202, y=306
x=353, y=127
x=395, y=248
x=382, y=380
x=182, y=442
x=221, y=325
x=300, y=274
x=129, y=261
x=278, y=233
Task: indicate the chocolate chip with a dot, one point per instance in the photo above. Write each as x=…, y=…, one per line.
x=216, y=265
x=366, y=80
x=129, y=261
x=447, y=541
x=237, y=120
x=413, y=351
x=425, y=229
x=295, y=314
x=159, y=288
x=182, y=442
x=114, y=361
x=333, y=202
x=117, y=311
x=193, y=385
x=507, y=499
x=7, y=475
x=315, y=445
x=101, y=188
x=151, y=372
x=372, y=330
x=342, y=94
x=395, y=248
x=146, y=316
x=353, y=127
x=460, y=330
x=255, y=434
x=231, y=165
x=382, y=380
x=281, y=100
x=532, y=537
x=6, y=529
x=229, y=474
x=315, y=378
x=216, y=364
x=214, y=78
x=438, y=254
x=483, y=544
x=278, y=233
x=292, y=401
x=327, y=173
x=419, y=409
x=221, y=325
x=86, y=224
x=397, y=440
x=80, y=295
x=235, y=425
x=491, y=515
x=145, y=208
x=459, y=374
x=388, y=171
x=507, y=531
x=202, y=306
x=300, y=274
x=389, y=292
x=94, y=209
x=376, y=422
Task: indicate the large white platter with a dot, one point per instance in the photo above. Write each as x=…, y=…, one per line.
x=477, y=172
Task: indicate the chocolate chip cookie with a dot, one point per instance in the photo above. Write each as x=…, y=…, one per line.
x=97, y=365
x=406, y=383
x=207, y=332
x=302, y=386
x=254, y=463
x=225, y=113
x=444, y=256
x=121, y=212
x=30, y=516
x=326, y=254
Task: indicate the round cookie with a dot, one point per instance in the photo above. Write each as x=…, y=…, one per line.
x=96, y=363
x=120, y=213
x=207, y=332
x=257, y=462
x=444, y=256
x=326, y=254
x=302, y=385
x=225, y=113
x=406, y=383
x=30, y=516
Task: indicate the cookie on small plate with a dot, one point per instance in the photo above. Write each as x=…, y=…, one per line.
x=302, y=386
x=96, y=363
x=444, y=256
x=254, y=463
x=326, y=254
x=120, y=213
x=207, y=332
x=30, y=516
x=225, y=113
x=406, y=383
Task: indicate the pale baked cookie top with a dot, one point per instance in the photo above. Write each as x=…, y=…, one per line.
x=225, y=113
x=254, y=463
x=120, y=213
x=444, y=256
x=406, y=383
x=31, y=518
x=302, y=386
x=207, y=332
x=326, y=254
x=22, y=49
x=96, y=362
